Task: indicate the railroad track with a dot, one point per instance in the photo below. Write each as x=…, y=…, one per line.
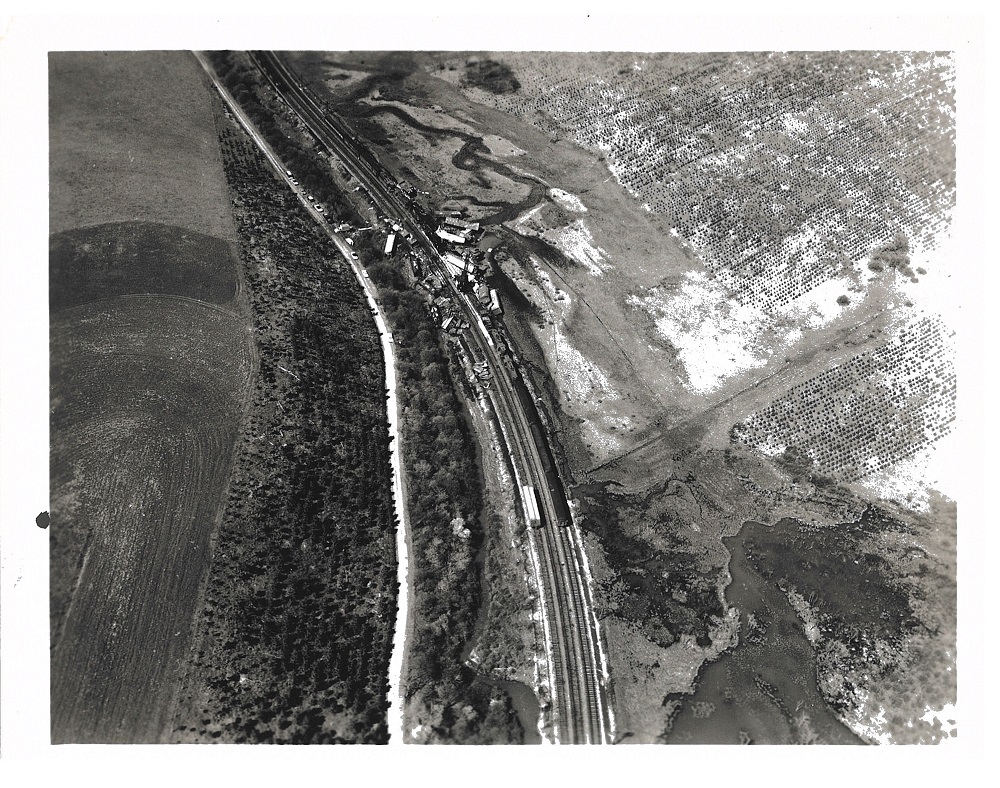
x=580, y=709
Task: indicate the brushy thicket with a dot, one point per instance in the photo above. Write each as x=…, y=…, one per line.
x=317, y=659
x=296, y=631
x=445, y=501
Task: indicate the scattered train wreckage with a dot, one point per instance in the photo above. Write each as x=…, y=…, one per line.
x=469, y=268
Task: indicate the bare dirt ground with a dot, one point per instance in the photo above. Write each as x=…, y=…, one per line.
x=151, y=365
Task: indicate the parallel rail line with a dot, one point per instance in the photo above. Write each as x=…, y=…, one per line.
x=581, y=712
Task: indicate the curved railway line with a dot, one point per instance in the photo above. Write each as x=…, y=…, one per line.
x=581, y=713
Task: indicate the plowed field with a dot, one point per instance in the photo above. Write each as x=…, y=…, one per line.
x=149, y=393
x=150, y=371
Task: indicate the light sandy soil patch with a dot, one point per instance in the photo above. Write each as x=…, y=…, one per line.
x=936, y=289
x=818, y=307
x=583, y=380
x=529, y=222
x=568, y=201
x=946, y=717
x=544, y=290
x=586, y=391
x=576, y=242
x=869, y=723
x=716, y=337
x=940, y=726
x=501, y=147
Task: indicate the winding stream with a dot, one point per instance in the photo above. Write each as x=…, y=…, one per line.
x=473, y=156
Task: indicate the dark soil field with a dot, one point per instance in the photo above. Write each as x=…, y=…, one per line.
x=147, y=396
x=107, y=260
x=150, y=371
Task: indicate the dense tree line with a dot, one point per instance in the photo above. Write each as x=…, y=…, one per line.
x=245, y=85
x=444, y=498
x=490, y=75
x=294, y=639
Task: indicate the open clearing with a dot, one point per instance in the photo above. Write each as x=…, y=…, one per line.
x=133, y=140
x=150, y=371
